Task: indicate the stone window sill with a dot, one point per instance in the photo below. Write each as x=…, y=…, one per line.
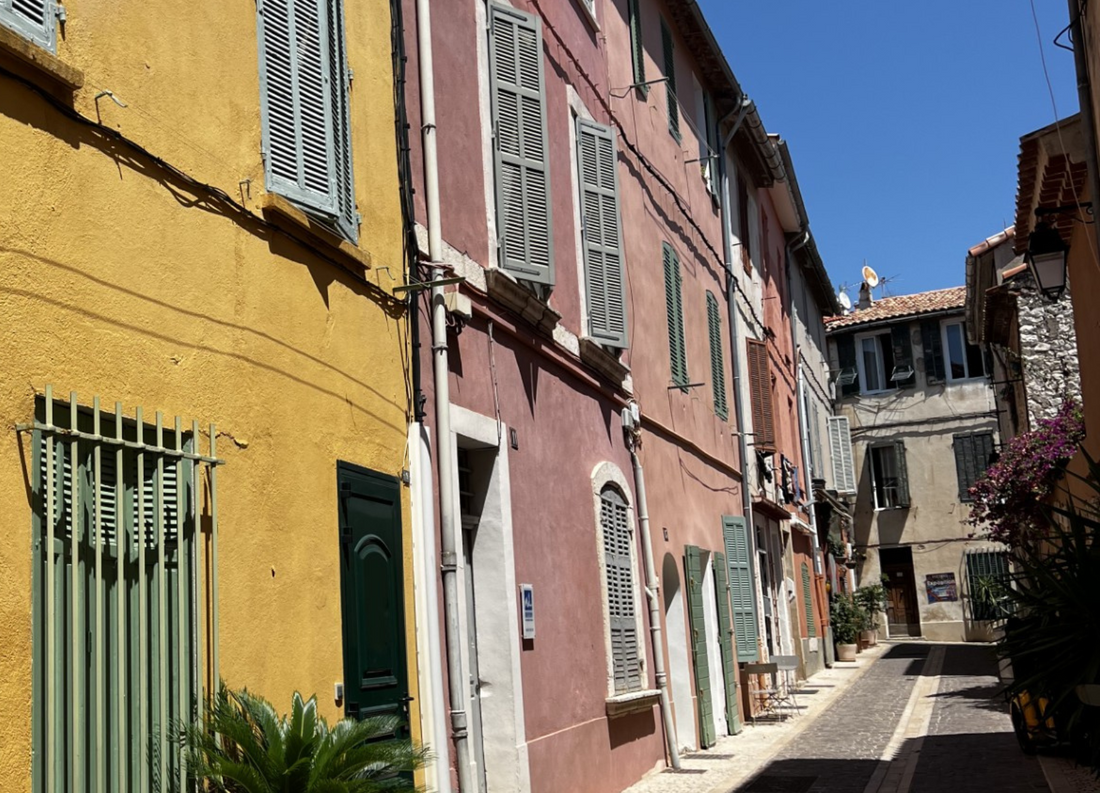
x=288, y=217
x=606, y=363
x=634, y=702
x=505, y=289
x=43, y=64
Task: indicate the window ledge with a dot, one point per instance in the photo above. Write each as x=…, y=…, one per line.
x=505, y=289
x=288, y=217
x=632, y=702
x=599, y=358
x=589, y=14
x=45, y=63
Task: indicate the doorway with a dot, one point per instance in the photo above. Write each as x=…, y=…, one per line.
x=680, y=677
x=470, y=516
x=372, y=595
x=902, y=615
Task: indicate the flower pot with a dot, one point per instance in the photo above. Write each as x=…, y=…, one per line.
x=868, y=638
x=846, y=652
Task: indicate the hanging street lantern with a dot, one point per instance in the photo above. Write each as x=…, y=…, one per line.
x=1046, y=258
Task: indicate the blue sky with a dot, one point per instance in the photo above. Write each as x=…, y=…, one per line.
x=903, y=119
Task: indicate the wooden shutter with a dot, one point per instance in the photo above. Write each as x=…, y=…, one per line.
x=735, y=532
x=717, y=364
x=840, y=449
x=296, y=103
x=668, y=48
x=605, y=284
x=697, y=626
x=347, y=218
x=903, y=474
x=760, y=388
x=725, y=643
x=637, y=47
x=744, y=234
x=674, y=307
x=846, y=360
x=934, y=370
x=620, y=591
x=903, y=356
x=972, y=454
x=522, y=153
x=808, y=601
x=35, y=20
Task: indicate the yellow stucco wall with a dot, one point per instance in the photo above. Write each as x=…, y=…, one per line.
x=111, y=283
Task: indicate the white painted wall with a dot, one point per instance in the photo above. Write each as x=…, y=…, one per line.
x=714, y=650
x=678, y=664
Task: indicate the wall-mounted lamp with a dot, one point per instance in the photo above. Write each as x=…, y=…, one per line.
x=1046, y=258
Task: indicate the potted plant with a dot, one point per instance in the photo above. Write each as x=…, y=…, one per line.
x=846, y=619
x=240, y=745
x=872, y=599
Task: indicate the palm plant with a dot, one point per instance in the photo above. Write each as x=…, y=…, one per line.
x=243, y=746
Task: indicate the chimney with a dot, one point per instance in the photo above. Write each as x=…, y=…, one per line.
x=865, y=299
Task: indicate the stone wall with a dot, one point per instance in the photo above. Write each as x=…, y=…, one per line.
x=1048, y=351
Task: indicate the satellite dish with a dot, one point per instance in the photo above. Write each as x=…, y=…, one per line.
x=845, y=301
x=870, y=276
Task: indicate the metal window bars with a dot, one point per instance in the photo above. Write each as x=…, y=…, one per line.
x=117, y=611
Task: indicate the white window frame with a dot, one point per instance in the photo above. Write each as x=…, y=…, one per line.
x=603, y=475
x=947, y=353
x=863, y=389
x=589, y=8
x=874, y=484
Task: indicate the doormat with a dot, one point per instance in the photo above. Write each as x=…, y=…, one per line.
x=684, y=771
x=769, y=783
x=709, y=756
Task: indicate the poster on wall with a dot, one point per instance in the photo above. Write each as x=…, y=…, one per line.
x=941, y=587
x=527, y=599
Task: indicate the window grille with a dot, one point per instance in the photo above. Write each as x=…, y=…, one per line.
x=987, y=574
x=117, y=614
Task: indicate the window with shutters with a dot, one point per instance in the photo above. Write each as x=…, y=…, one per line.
x=34, y=20
x=604, y=278
x=637, y=47
x=875, y=362
x=304, y=100
x=760, y=391
x=889, y=477
x=674, y=307
x=521, y=152
x=668, y=49
x=840, y=449
x=963, y=360
x=717, y=362
x=973, y=454
x=808, y=601
x=618, y=545
x=116, y=612
x=742, y=584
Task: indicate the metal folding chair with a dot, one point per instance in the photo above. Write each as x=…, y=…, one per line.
x=787, y=666
x=766, y=694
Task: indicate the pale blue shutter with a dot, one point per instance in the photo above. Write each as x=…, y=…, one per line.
x=735, y=532
x=605, y=284
x=522, y=153
x=840, y=448
x=347, y=219
x=35, y=20
x=620, y=591
x=296, y=103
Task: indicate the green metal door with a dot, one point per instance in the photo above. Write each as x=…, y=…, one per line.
x=725, y=642
x=371, y=582
x=697, y=625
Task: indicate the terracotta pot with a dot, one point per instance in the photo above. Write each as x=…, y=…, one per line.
x=868, y=638
x=846, y=652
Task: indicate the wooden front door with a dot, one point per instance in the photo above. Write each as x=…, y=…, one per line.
x=372, y=581
x=901, y=593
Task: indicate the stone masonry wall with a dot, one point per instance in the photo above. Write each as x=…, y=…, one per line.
x=1048, y=349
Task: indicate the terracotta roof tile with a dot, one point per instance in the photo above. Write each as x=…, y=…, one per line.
x=901, y=306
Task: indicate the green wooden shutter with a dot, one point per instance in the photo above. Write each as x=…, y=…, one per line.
x=808, y=599
x=840, y=449
x=725, y=643
x=668, y=48
x=637, y=48
x=717, y=364
x=735, y=532
x=697, y=626
x=903, y=474
x=296, y=103
x=903, y=356
x=35, y=20
x=521, y=150
x=934, y=369
x=972, y=454
x=846, y=359
x=605, y=284
x=620, y=591
x=347, y=218
x=674, y=308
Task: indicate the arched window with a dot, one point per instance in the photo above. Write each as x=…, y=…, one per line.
x=617, y=540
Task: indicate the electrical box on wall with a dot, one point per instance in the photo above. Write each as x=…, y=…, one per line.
x=458, y=304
